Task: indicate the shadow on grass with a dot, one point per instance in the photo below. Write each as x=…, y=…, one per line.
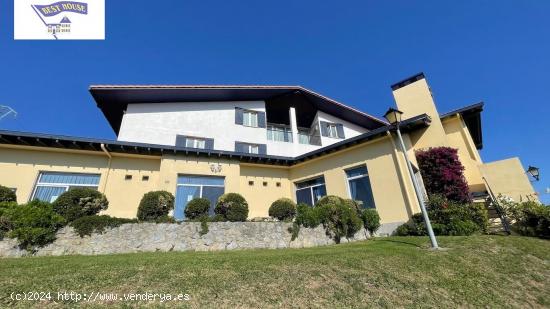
x=399, y=242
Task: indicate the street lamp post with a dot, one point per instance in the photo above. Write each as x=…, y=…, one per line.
x=394, y=117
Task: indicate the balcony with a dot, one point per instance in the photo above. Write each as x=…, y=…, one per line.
x=304, y=137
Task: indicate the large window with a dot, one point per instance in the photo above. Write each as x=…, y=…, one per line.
x=50, y=185
x=250, y=118
x=190, y=187
x=310, y=191
x=359, y=186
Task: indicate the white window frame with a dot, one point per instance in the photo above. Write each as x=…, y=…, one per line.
x=196, y=142
x=61, y=185
x=332, y=130
x=248, y=117
x=253, y=148
x=310, y=188
x=200, y=186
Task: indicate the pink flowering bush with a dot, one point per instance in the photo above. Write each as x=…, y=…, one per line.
x=443, y=173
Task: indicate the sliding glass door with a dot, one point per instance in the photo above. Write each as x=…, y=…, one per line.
x=190, y=187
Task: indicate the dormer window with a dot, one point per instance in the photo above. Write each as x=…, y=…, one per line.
x=250, y=118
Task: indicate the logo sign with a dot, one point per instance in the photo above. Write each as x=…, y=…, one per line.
x=61, y=20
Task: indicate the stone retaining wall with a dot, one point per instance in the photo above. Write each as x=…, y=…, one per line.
x=151, y=237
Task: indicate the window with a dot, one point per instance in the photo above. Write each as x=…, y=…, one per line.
x=359, y=186
x=50, y=185
x=332, y=130
x=253, y=148
x=190, y=187
x=279, y=133
x=193, y=142
x=145, y=178
x=310, y=191
x=128, y=177
x=250, y=118
x=250, y=148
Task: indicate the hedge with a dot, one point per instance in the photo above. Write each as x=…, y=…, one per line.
x=80, y=202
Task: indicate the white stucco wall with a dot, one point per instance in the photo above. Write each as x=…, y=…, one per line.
x=159, y=123
x=350, y=129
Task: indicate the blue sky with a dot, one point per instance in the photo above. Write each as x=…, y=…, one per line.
x=352, y=51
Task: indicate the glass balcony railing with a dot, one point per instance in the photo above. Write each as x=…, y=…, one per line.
x=309, y=139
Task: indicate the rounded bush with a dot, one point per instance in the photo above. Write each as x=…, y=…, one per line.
x=233, y=207
x=339, y=217
x=371, y=220
x=196, y=208
x=283, y=209
x=34, y=224
x=7, y=195
x=307, y=216
x=80, y=202
x=155, y=205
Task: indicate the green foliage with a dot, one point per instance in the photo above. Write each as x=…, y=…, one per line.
x=233, y=207
x=197, y=207
x=80, y=202
x=528, y=218
x=5, y=222
x=307, y=216
x=371, y=220
x=448, y=218
x=7, y=195
x=339, y=217
x=204, y=225
x=283, y=209
x=97, y=224
x=294, y=230
x=34, y=224
x=155, y=205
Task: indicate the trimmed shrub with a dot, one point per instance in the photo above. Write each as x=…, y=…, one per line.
x=155, y=205
x=371, y=220
x=7, y=195
x=283, y=209
x=34, y=224
x=5, y=222
x=307, y=216
x=339, y=218
x=443, y=173
x=196, y=208
x=448, y=218
x=233, y=207
x=80, y=202
x=97, y=224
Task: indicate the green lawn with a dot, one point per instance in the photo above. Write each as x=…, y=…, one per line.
x=493, y=271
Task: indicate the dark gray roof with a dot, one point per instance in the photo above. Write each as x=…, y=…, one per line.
x=91, y=144
x=114, y=99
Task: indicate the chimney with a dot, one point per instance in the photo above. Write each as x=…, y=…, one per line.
x=414, y=97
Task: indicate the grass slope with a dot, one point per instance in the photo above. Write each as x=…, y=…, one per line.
x=493, y=271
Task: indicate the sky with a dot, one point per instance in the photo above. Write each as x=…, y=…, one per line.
x=352, y=51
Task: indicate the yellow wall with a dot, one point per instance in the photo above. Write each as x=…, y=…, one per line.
x=20, y=167
x=507, y=177
x=459, y=137
x=391, y=197
x=260, y=197
x=416, y=99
